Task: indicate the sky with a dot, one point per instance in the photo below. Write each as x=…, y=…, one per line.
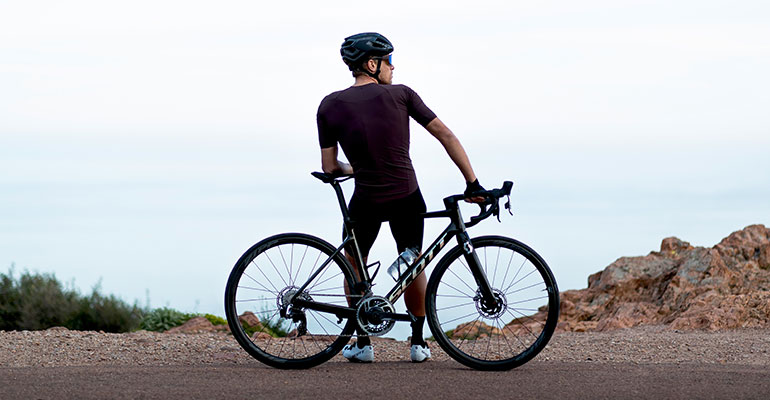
x=145, y=145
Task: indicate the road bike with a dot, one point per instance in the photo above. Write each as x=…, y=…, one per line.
x=293, y=300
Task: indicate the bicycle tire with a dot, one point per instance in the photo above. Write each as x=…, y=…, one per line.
x=517, y=329
x=260, y=281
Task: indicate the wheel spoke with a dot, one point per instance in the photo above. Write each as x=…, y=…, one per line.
x=525, y=288
x=461, y=280
x=288, y=268
x=458, y=318
x=522, y=278
x=481, y=339
x=324, y=281
x=518, y=320
x=266, y=278
x=301, y=263
x=516, y=275
x=249, y=300
x=457, y=290
x=276, y=268
x=497, y=261
x=454, y=306
x=528, y=300
x=257, y=289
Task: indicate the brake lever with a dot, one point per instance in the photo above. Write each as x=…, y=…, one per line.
x=508, y=205
x=496, y=211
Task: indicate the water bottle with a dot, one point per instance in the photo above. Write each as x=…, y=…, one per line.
x=402, y=263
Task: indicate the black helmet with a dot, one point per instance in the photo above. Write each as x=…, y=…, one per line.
x=355, y=49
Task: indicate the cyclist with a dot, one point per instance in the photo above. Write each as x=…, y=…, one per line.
x=370, y=121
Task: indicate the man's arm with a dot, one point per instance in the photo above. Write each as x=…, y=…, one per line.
x=331, y=165
x=452, y=146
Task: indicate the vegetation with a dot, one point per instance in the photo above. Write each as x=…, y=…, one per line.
x=39, y=301
x=163, y=319
x=272, y=324
x=215, y=320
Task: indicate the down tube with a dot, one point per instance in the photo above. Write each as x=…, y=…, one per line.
x=420, y=264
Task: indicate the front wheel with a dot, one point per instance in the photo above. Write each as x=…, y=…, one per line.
x=497, y=335
x=258, y=301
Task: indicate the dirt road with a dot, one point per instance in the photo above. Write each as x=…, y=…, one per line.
x=437, y=379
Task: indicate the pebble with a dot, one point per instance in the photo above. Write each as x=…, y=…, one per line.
x=641, y=345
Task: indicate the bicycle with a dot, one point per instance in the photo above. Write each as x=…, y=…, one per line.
x=307, y=315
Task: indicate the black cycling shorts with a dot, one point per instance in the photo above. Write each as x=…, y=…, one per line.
x=403, y=215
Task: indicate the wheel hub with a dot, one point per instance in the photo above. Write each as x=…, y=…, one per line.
x=491, y=309
x=283, y=301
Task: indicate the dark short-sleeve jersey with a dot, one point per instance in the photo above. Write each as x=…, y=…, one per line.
x=371, y=124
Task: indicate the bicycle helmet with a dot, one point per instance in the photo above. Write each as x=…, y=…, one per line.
x=358, y=48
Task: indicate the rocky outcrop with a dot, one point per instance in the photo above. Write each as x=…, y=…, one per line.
x=680, y=286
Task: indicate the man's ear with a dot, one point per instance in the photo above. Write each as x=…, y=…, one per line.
x=371, y=65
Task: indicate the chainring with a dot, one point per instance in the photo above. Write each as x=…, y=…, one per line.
x=368, y=318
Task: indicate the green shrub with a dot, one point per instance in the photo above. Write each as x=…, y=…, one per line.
x=215, y=320
x=163, y=319
x=39, y=301
x=108, y=314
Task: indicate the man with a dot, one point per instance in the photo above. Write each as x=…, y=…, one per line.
x=370, y=120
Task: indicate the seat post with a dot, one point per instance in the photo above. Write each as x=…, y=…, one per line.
x=341, y=200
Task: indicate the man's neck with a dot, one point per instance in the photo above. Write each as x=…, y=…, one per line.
x=364, y=80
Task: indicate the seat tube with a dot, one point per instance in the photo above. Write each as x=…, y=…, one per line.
x=348, y=226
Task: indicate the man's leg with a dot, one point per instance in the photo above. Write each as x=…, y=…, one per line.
x=414, y=296
x=363, y=339
x=366, y=230
x=407, y=230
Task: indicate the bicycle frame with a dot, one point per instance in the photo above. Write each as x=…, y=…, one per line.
x=456, y=228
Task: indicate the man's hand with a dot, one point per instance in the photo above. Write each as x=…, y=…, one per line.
x=331, y=165
x=345, y=168
x=470, y=189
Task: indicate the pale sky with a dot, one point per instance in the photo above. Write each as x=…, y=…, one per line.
x=149, y=143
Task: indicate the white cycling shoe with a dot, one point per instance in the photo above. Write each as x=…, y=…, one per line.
x=420, y=353
x=362, y=355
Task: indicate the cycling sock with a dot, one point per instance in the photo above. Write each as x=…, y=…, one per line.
x=417, y=331
x=362, y=341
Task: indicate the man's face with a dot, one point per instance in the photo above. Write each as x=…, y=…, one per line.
x=386, y=69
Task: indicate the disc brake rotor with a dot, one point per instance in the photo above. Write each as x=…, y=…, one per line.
x=494, y=310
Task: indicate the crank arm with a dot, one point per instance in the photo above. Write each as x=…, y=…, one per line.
x=386, y=316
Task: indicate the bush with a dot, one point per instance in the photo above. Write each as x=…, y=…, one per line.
x=108, y=314
x=215, y=320
x=38, y=301
x=163, y=319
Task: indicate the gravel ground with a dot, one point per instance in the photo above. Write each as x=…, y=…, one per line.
x=643, y=345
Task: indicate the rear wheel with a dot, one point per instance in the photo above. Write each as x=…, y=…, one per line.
x=500, y=335
x=260, y=288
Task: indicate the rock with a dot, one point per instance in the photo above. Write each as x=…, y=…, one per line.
x=57, y=329
x=682, y=287
x=249, y=319
x=672, y=246
x=260, y=335
x=473, y=330
x=197, y=325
